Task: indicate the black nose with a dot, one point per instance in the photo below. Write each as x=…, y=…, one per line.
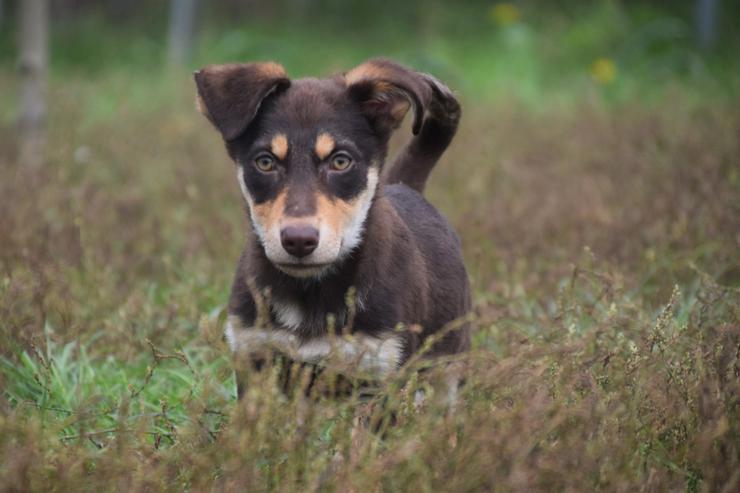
x=299, y=241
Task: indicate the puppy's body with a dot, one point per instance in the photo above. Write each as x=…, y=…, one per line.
x=403, y=276
x=310, y=155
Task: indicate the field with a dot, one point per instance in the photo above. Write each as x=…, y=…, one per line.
x=598, y=200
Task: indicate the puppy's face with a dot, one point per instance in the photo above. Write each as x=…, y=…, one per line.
x=308, y=152
x=308, y=168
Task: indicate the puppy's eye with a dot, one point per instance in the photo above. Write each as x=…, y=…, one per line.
x=265, y=162
x=341, y=161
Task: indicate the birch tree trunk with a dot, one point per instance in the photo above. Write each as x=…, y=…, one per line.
x=706, y=22
x=32, y=66
x=182, y=30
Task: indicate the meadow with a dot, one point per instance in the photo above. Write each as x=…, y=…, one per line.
x=595, y=183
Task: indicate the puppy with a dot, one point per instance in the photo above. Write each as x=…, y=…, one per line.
x=344, y=262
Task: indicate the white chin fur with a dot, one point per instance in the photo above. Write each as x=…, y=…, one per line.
x=305, y=272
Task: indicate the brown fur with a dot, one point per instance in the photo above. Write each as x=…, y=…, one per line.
x=392, y=84
x=382, y=240
x=227, y=94
x=367, y=71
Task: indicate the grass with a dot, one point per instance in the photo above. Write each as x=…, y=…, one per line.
x=600, y=232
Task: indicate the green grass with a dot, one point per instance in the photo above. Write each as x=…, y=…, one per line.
x=599, y=225
x=590, y=393
x=89, y=397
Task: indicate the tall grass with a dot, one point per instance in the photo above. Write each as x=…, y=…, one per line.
x=601, y=236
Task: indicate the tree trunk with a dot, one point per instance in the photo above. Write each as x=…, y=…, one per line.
x=182, y=30
x=33, y=61
x=706, y=22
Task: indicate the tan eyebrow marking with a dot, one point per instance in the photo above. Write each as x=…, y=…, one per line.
x=279, y=146
x=324, y=145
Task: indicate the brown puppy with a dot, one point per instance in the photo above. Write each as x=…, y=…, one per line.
x=309, y=156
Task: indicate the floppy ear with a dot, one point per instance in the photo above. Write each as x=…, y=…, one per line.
x=386, y=90
x=230, y=95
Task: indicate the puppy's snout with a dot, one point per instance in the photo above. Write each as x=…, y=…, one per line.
x=299, y=241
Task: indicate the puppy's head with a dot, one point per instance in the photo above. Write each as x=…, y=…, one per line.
x=309, y=152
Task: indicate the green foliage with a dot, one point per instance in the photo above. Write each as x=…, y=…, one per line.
x=88, y=399
x=540, y=53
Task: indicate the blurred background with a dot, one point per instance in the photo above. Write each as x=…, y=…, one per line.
x=594, y=181
x=530, y=50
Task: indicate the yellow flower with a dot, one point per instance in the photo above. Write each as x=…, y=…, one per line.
x=504, y=14
x=603, y=70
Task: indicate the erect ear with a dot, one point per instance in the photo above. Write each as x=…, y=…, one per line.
x=385, y=90
x=230, y=95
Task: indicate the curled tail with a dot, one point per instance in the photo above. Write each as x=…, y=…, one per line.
x=415, y=161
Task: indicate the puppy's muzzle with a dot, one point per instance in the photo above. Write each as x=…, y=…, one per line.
x=299, y=240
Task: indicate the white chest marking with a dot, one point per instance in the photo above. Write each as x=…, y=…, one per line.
x=375, y=355
x=287, y=314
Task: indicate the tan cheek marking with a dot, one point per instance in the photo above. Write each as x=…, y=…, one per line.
x=269, y=213
x=336, y=213
x=279, y=146
x=324, y=145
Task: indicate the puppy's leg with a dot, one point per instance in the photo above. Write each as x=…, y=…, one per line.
x=417, y=159
x=244, y=367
